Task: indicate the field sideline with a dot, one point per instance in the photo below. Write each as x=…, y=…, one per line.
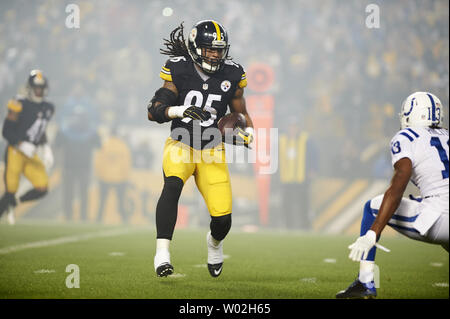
x=117, y=262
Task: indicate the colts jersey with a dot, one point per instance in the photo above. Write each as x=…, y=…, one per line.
x=33, y=119
x=427, y=148
x=213, y=94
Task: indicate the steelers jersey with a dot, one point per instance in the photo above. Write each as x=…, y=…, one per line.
x=427, y=148
x=33, y=119
x=213, y=94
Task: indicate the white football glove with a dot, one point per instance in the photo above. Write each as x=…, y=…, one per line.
x=46, y=155
x=27, y=148
x=361, y=247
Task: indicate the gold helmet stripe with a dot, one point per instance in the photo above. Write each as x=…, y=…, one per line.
x=219, y=37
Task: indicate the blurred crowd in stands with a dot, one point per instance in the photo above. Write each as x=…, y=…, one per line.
x=342, y=81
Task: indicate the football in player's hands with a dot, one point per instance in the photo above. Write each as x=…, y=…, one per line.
x=233, y=128
x=230, y=122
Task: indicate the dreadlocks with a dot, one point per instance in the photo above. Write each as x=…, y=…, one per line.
x=176, y=45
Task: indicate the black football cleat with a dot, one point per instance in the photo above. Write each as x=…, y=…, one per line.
x=164, y=270
x=215, y=269
x=358, y=290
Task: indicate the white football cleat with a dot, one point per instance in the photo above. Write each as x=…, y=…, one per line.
x=10, y=216
x=215, y=256
x=162, y=263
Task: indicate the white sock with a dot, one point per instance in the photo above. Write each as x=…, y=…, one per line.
x=162, y=252
x=162, y=244
x=366, y=268
x=214, y=241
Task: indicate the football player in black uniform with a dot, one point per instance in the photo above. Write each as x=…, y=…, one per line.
x=200, y=83
x=27, y=151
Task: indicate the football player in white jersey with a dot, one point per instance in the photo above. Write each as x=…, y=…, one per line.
x=420, y=154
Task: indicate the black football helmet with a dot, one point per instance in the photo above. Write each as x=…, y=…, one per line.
x=36, y=80
x=208, y=34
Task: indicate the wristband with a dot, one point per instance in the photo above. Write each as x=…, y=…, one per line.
x=177, y=111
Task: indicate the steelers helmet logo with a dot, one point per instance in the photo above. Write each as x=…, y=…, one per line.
x=225, y=85
x=193, y=34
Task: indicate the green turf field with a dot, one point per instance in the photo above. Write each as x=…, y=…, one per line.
x=117, y=262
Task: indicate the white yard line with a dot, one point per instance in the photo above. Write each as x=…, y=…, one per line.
x=441, y=284
x=63, y=240
x=329, y=260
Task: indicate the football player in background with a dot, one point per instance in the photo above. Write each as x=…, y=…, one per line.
x=419, y=153
x=27, y=152
x=200, y=82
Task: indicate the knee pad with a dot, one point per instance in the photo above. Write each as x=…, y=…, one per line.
x=173, y=186
x=220, y=226
x=34, y=194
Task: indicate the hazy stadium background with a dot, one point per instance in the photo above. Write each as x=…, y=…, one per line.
x=333, y=77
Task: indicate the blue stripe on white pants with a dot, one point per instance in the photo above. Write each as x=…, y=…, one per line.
x=366, y=223
x=407, y=213
x=401, y=221
x=404, y=217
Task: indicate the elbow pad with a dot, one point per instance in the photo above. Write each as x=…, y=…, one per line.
x=10, y=132
x=158, y=112
x=167, y=98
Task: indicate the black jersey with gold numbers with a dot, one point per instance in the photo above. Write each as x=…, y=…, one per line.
x=212, y=92
x=32, y=120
